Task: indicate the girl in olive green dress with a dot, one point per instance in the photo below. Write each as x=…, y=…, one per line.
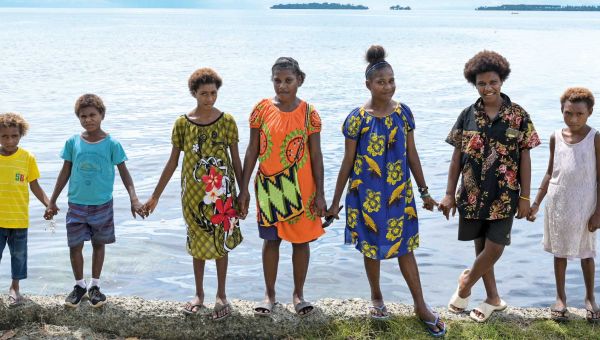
x=211, y=164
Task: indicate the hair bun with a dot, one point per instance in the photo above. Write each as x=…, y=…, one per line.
x=375, y=53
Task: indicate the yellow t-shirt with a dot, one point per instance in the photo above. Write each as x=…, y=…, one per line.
x=16, y=172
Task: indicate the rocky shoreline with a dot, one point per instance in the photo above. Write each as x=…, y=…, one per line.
x=45, y=316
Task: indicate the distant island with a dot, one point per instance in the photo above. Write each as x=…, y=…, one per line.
x=400, y=8
x=315, y=5
x=538, y=8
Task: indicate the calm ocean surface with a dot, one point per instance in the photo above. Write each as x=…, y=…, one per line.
x=138, y=61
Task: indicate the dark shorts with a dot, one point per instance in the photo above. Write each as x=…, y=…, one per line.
x=17, y=245
x=497, y=231
x=90, y=222
x=268, y=233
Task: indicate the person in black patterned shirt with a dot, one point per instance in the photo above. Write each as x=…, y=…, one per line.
x=491, y=140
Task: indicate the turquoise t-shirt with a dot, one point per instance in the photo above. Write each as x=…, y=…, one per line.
x=93, y=171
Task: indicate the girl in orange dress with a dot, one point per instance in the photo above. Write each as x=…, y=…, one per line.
x=285, y=138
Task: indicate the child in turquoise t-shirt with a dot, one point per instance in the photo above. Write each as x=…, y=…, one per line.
x=89, y=167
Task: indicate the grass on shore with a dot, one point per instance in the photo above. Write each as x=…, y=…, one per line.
x=411, y=328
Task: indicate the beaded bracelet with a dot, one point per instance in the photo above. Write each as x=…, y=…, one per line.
x=425, y=195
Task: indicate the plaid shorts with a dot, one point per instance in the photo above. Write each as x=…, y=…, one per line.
x=90, y=222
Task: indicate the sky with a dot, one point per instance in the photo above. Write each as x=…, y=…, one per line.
x=258, y=4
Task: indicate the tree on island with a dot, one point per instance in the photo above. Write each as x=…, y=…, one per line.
x=315, y=5
x=400, y=8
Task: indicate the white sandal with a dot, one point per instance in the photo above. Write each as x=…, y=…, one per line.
x=456, y=302
x=486, y=310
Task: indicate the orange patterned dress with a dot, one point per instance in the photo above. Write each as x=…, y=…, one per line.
x=284, y=138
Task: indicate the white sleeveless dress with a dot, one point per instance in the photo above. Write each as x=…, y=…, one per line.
x=571, y=199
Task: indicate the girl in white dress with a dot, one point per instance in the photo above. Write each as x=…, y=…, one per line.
x=572, y=212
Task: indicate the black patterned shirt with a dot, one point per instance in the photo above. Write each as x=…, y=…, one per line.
x=490, y=158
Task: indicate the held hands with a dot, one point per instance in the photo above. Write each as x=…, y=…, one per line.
x=334, y=211
x=51, y=211
x=150, y=205
x=243, y=203
x=594, y=222
x=446, y=204
x=320, y=205
x=533, y=210
x=523, y=208
x=138, y=208
x=429, y=203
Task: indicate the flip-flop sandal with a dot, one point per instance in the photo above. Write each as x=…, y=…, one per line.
x=191, y=309
x=225, y=308
x=430, y=325
x=264, y=308
x=486, y=310
x=559, y=315
x=15, y=302
x=592, y=317
x=379, y=313
x=457, y=304
x=305, y=306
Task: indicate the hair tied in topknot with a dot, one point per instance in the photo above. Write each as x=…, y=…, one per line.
x=375, y=56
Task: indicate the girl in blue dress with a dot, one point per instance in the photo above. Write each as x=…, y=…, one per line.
x=381, y=216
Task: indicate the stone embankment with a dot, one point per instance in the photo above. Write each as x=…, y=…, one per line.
x=137, y=317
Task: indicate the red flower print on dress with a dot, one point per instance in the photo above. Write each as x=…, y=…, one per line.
x=212, y=180
x=225, y=213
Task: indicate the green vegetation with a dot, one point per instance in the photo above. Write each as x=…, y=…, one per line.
x=314, y=5
x=537, y=8
x=411, y=328
x=400, y=8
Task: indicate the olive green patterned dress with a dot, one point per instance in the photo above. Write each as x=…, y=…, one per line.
x=208, y=194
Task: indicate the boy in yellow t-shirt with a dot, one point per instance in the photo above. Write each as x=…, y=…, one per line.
x=17, y=169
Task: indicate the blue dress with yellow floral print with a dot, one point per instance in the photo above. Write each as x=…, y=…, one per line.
x=381, y=217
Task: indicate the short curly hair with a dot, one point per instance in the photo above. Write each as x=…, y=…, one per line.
x=89, y=100
x=577, y=94
x=11, y=119
x=203, y=76
x=486, y=61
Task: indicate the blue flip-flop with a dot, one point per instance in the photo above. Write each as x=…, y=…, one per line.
x=431, y=324
x=380, y=313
